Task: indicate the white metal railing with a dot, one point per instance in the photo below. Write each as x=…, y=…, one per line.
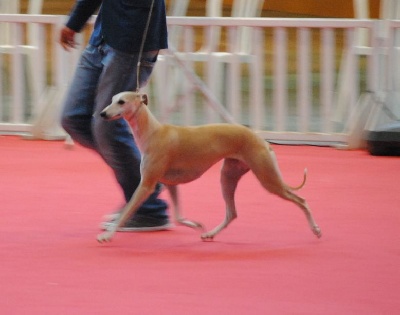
x=286, y=87
x=33, y=75
x=27, y=69
x=296, y=97
x=384, y=106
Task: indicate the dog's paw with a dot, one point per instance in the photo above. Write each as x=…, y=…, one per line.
x=105, y=237
x=192, y=224
x=207, y=237
x=317, y=231
x=198, y=226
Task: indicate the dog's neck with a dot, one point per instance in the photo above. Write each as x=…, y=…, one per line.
x=143, y=124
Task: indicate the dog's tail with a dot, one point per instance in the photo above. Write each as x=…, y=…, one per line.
x=302, y=184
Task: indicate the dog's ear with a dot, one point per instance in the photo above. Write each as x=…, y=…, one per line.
x=144, y=99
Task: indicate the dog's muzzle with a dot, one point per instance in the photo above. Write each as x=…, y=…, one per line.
x=104, y=115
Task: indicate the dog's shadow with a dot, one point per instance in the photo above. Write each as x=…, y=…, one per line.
x=216, y=250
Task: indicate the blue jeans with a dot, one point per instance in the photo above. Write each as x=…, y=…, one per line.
x=103, y=72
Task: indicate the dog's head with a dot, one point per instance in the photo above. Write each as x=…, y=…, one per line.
x=123, y=103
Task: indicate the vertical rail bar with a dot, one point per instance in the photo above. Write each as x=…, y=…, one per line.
x=16, y=65
x=214, y=75
x=189, y=113
x=303, y=79
x=353, y=67
x=390, y=64
x=257, y=80
x=348, y=90
x=37, y=67
x=233, y=88
x=161, y=72
x=214, y=79
x=59, y=72
x=327, y=79
x=396, y=59
x=280, y=78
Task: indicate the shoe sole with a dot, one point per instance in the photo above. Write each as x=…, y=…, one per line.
x=107, y=225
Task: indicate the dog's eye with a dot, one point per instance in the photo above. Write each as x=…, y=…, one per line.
x=121, y=102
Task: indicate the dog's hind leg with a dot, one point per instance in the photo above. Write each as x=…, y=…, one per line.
x=265, y=168
x=232, y=171
x=173, y=192
x=289, y=195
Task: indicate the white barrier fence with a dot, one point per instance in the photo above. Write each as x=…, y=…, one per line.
x=32, y=68
x=290, y=79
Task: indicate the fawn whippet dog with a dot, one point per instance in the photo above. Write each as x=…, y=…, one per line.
x=174, y=155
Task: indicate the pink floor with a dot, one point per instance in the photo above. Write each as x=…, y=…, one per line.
x=266, y=262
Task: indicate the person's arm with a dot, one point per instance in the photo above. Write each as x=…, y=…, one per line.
x=79, y=15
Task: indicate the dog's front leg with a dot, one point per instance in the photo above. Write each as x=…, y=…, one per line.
x=141, y=194
x=173, y=192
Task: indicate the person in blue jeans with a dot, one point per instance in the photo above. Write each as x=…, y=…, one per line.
x=107, y=66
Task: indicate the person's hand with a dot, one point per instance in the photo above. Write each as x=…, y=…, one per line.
x=67, y=38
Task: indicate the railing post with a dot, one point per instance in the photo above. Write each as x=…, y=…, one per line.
x=327, y=87
x=234, y=97
x=17, y=83
x=280, y=78
x=303, y=79
x=257, y=104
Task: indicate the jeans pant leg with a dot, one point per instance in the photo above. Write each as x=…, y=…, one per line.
x=113, y=139
x=79, y=103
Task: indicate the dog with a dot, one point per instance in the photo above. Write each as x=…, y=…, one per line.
x=175, y=155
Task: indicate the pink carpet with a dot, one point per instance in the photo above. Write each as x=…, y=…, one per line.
x=266, y=262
